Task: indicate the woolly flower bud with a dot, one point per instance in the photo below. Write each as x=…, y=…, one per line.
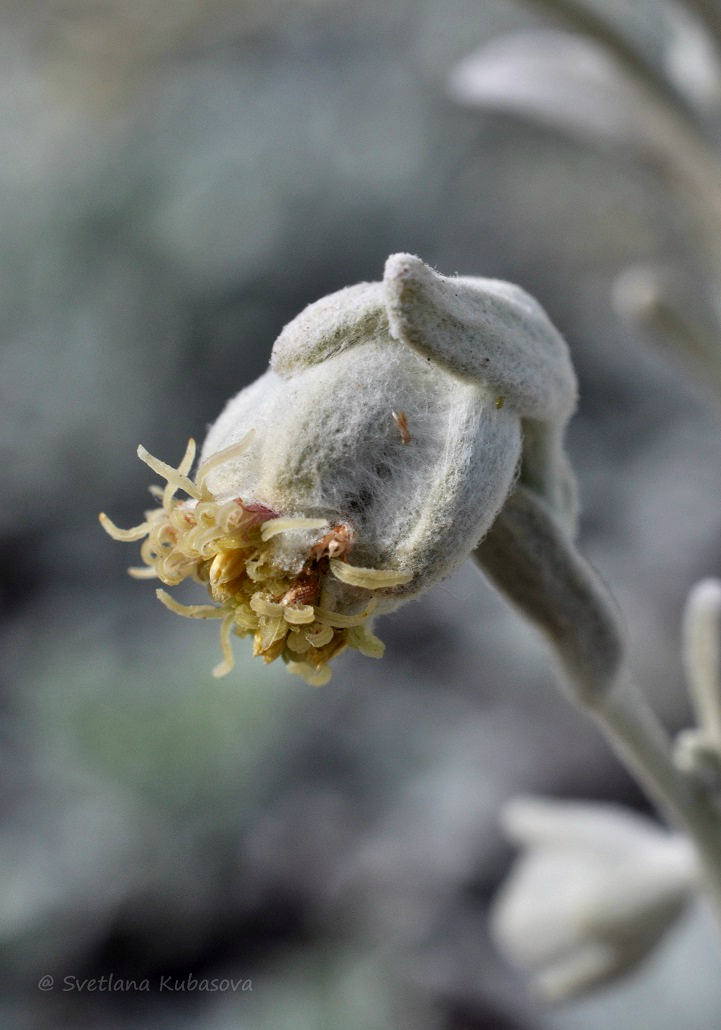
x=592, y=894
x=366, y=464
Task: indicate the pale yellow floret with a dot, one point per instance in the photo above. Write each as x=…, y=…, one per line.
x=224, y=667
x=245, y=619
x=298, y=643
x=190, y=611
x=220, y=458
x=340, y=621
x=184, y=468
x=126, y=535
x=369, y=579
x=313, y=676
x=361, y=638
x=270, y=632
x=259, y=568
x=273, y=527
x=320, y=636
x=264, y=606
x=226, y=567
x=302, y=616
x=224, y=546
x=173, y=476
x=142, y=572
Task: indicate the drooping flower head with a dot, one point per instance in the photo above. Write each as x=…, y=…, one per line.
x=365, y=465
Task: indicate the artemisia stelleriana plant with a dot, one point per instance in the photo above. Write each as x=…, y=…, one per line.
x=407, y=424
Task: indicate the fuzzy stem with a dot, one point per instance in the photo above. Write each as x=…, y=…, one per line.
x=535, y=564
x=688, y=161
x=587, y=23
x=630, y=725
x=709, y=14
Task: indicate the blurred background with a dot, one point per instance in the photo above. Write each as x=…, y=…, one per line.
x=177, y=180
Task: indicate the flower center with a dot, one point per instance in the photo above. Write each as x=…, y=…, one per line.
x=232, y=548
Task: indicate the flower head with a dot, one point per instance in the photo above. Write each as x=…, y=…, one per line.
x=365, y=465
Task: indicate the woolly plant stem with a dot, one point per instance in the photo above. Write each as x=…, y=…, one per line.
x=536, y=566
x=708, y=12
x=631, y=727
x=688, y=161
x=583, y=20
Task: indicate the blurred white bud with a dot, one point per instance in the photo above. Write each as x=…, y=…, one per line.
x=367, y=463
x=593, y=892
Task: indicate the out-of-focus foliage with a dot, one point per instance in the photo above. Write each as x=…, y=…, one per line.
x=100, y=53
